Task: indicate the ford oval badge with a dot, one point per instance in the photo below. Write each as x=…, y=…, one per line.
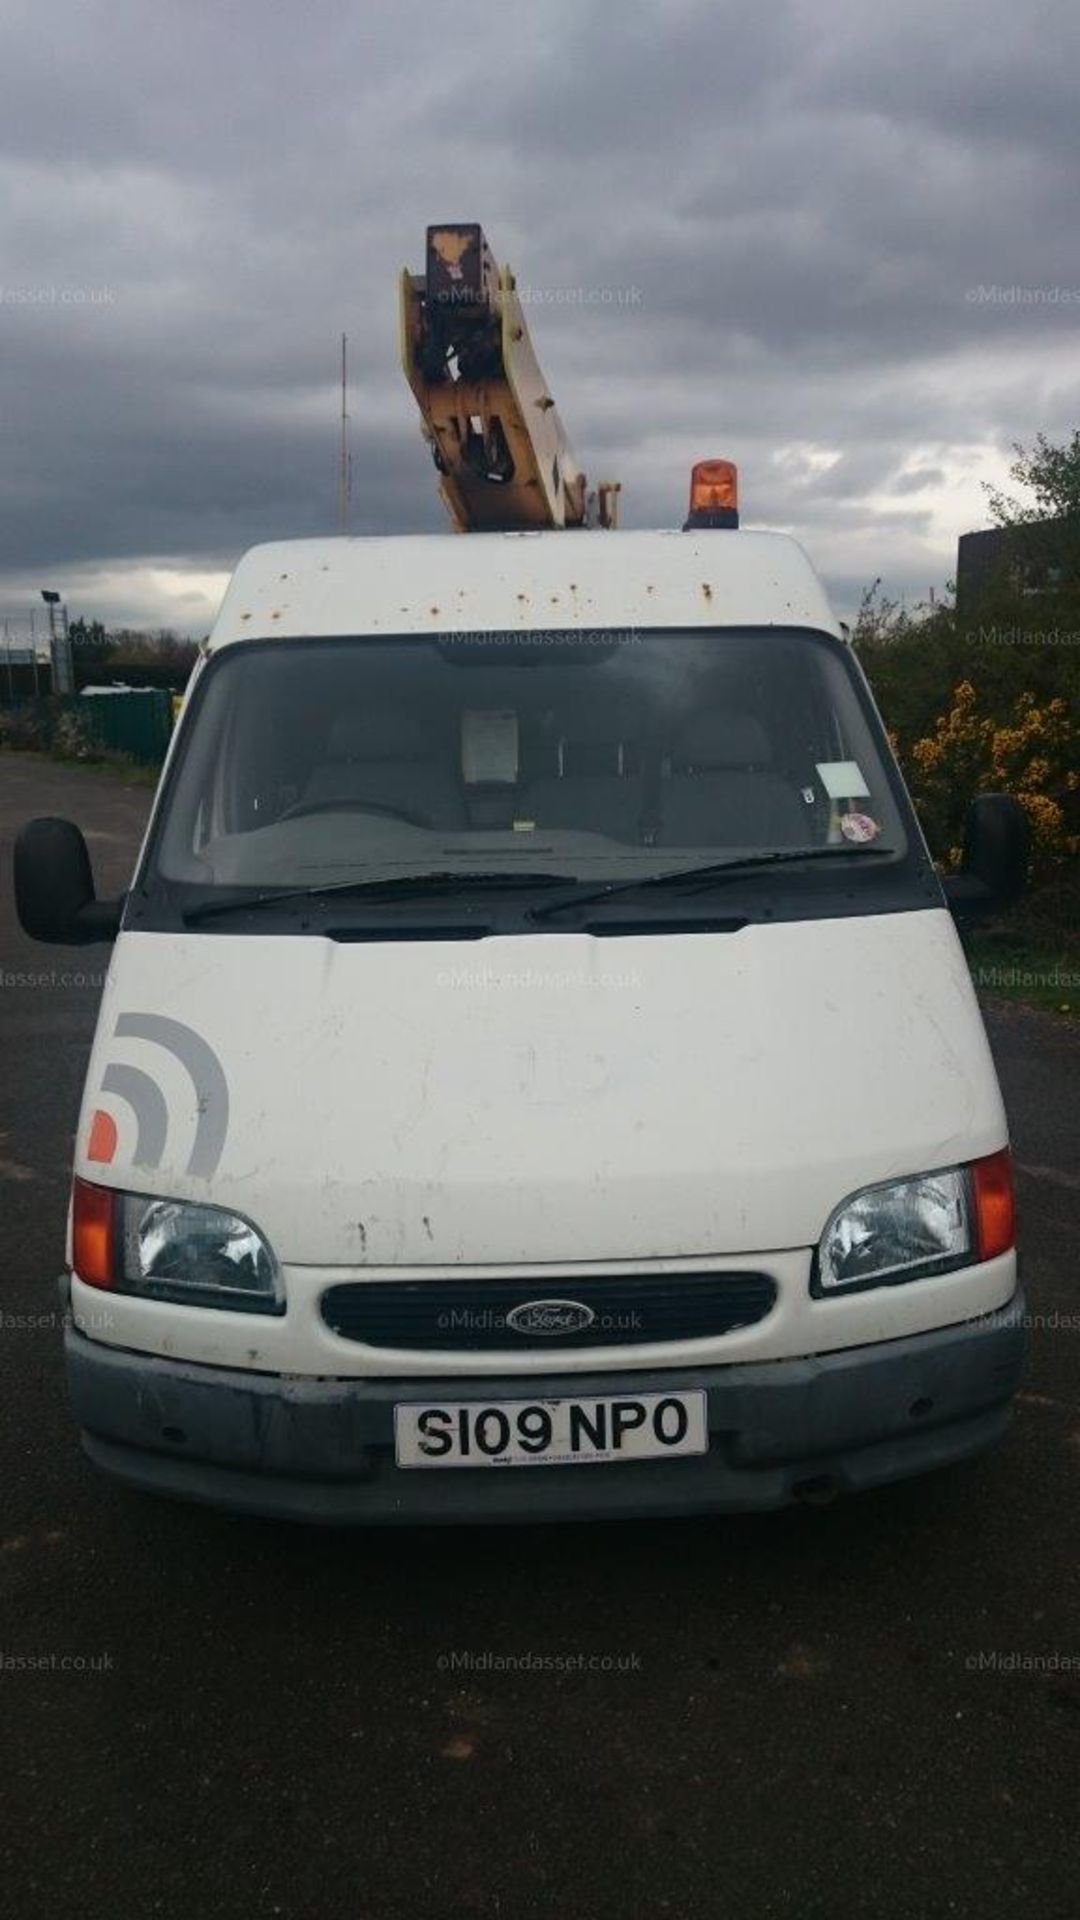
x=549, y=1317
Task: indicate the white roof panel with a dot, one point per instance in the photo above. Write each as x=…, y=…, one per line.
x=489, y=582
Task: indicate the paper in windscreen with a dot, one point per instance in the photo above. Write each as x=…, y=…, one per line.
x=489, y=745
x=843, y=779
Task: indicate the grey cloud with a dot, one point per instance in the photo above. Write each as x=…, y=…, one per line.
x=746, y=230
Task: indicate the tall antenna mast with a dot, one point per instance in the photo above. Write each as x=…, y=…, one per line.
x=344, y=473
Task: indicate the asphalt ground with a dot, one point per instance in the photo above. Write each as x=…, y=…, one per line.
x=868, y=1709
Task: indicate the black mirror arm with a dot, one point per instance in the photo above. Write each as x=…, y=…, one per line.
x=968, y=897
x=98, y=920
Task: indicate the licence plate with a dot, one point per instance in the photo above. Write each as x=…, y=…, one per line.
x=549, y=1433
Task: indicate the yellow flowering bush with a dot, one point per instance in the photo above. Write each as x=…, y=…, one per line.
x=1034, y=754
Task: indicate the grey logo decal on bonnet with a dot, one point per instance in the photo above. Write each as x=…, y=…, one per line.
x=139, y=1091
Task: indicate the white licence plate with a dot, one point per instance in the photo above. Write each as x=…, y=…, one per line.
x=549, y=1433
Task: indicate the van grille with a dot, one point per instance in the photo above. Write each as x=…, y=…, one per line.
x=474, y=1316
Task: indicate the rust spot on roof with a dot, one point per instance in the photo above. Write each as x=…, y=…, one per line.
x=245, y=616
x=706, y=589
x=433, y=609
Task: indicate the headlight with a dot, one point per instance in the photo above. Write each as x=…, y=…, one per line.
x=898, y=1232
x=172, y=1250
x=176, y=1250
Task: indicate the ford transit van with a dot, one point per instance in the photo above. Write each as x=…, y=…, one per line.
x=538, y=1073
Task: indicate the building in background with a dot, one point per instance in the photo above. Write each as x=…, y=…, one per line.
x=1027, y=558
x=25, y=671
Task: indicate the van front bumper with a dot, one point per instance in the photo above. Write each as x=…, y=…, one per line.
x=323, y=1450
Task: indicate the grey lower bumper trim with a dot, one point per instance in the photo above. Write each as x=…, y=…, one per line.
x=322, y=1450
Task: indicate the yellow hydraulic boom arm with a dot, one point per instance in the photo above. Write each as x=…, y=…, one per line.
x=504, y=460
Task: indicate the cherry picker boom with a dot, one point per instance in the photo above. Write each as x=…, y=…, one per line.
x=501, y=450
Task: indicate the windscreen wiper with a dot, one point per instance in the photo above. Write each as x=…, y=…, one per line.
x=399, y=886
x=692, y=879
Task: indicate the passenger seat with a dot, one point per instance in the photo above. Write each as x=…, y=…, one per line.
x=722, y=790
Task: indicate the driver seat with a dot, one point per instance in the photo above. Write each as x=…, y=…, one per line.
x=388, y=757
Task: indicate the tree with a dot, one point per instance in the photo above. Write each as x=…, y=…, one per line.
x=1051, y=474
x=912, y=658
x=1043, y=551
x=89, y=649
x=989, y=701
x=158, y=659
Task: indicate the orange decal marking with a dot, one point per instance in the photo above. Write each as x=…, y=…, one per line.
x=102, y=1136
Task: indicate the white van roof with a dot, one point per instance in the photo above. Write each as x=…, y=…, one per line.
x=524, y=582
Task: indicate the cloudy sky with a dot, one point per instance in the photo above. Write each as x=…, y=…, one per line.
x=836, y=242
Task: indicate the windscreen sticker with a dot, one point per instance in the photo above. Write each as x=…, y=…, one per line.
x=842, y=779
x=140, y=1092
x=858, y=827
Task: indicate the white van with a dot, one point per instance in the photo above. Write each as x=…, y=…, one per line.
x=538, y=1073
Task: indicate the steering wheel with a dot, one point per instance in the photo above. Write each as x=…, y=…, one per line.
x=355, y=806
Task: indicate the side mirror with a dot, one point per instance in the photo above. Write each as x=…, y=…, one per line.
x=54, y=887
x=993, y=866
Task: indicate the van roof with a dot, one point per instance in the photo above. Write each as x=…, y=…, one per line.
x=524, y=582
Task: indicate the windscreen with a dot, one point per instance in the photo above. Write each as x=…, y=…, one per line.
x=597, y=755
